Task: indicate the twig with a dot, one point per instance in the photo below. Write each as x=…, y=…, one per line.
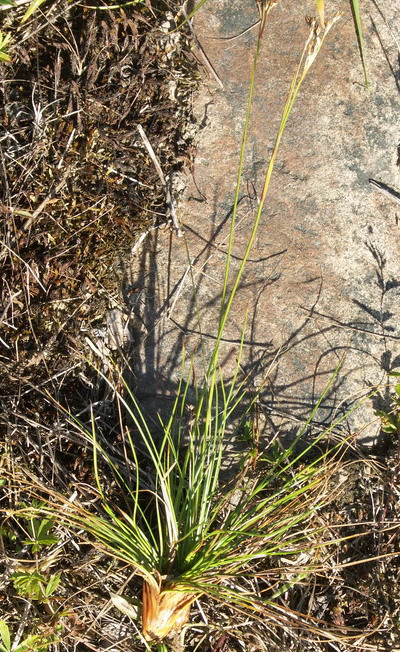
x=29, y=268
x=206, y=60
x=341, y=324
x=67, y=146
x=141, y=239
x=179, y=289
x=168, y=196
x=152, y=154
x=50, y=198
x=171, y=207
x=235, y=36
x=125, y=176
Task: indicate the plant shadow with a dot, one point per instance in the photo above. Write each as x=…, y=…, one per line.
x=175, y=307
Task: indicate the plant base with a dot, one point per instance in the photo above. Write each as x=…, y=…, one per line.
x=165, y=611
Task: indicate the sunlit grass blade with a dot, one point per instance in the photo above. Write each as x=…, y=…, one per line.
x=223, y=532
x=35, y=4
x=311, y=49
x=355, y=8
x=4, y=43
x=321, y=11
x=192, y=13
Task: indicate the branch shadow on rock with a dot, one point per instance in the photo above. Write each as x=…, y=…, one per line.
x=162, y=333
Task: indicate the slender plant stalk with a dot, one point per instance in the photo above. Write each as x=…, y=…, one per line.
x=312, y=47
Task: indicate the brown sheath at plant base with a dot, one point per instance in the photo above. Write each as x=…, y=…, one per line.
x=164, y=610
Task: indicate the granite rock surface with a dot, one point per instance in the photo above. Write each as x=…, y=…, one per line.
x=323, y=281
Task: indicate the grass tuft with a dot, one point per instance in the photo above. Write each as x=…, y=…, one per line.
x=184, y=526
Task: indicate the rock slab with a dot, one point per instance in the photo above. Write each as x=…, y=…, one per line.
x=323, y=281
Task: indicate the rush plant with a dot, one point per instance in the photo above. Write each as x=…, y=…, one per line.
x=186, y=527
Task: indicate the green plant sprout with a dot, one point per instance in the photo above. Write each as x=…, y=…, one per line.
x=390, y=420
x=7, y=533
x=35, y=585
x=4, y=43
x=39, y=532
x=32, y=643
x=36, y=529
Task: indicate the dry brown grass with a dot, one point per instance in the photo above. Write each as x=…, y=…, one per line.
x=78, y=184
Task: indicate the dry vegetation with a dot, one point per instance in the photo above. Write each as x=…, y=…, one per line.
x=78, y=186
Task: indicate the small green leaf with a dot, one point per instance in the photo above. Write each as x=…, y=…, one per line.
x=6, y=532
x=5, y=635
x=52, y=584
x=33, y=642
x=389, y=428
x=30, y=584
x=37, y=545
x=38, y=530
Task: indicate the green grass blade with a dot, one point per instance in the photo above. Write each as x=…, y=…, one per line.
x=4, y=43
x=192, y=13
x=5, y=635
x=31, y=9
x=355, y=9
